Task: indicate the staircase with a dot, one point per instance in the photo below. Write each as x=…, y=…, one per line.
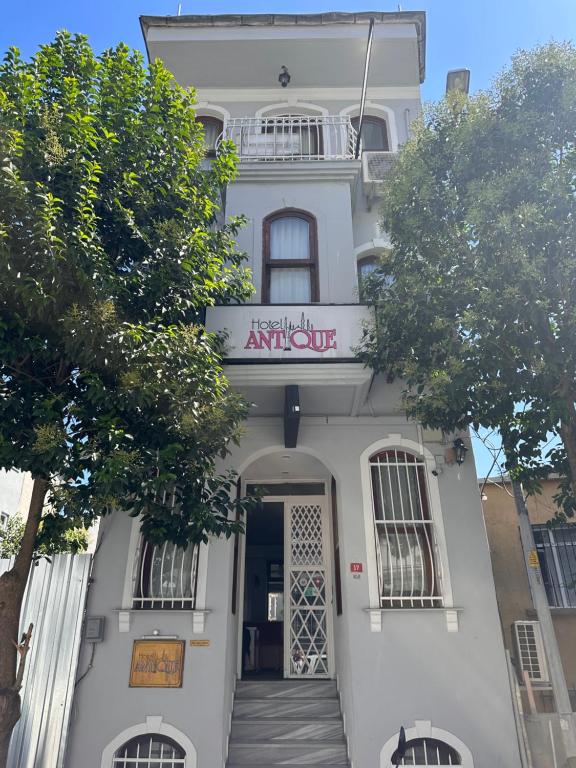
x=287, y=722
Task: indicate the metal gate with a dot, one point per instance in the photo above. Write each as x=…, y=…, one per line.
x=308, y=619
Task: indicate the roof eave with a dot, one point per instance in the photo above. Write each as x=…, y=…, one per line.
x=418, y=18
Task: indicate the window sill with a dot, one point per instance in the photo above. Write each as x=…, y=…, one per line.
x=451, y=614
x=561, y=609
x=198, y=616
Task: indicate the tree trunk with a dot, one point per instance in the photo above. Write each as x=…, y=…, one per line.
x=12, y=587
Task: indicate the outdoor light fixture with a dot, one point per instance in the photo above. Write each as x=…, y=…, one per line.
x=458, y=80
x=460, y=450
x=284, y=76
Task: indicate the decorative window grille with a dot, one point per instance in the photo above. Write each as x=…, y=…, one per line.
x=427, y=752
x=405, y=541
x=166, y=577
x=530, y=647
x=149, y=751
x=556, y=547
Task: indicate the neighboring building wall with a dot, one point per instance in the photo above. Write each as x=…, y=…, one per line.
x=509, y=568
x=15, y=493
x=54, y=604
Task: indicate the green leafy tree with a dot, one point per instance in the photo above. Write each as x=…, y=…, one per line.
x=111, y=245
x=73, y=540
x=475, y=306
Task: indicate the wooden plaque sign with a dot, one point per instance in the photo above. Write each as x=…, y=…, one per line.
x=157, y=664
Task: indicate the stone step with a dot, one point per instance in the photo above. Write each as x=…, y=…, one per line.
x=298, y=709
x=290, y=753
x=297, y=689
x=289, y=730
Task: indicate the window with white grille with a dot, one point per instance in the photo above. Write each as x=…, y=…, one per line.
x=405, y=541
x=427, y=752
x=530, y=648
x=149, y=751
x=166, y=576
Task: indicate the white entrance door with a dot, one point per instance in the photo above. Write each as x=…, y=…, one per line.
x=307, y=589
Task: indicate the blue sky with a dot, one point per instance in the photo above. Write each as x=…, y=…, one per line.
x=481, y=35
x=478, y=34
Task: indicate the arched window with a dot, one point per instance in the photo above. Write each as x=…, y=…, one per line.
x=374, y=133
x=212, y=129
x=290, y=270
x=428, y=752
x=149, y=751
x=366, y=265
x=166, y=577
x=405, y=540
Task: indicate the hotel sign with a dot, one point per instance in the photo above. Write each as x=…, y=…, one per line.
x=273, y=332
x=157, y=664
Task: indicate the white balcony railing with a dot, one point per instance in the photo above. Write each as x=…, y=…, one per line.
x=294, y=137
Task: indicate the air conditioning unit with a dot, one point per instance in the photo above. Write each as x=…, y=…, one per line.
x=530, y=651
x=375, y=168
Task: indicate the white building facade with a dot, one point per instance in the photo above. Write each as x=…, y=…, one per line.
x=361, y=598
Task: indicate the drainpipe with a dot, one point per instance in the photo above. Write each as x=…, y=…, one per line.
x=364, y=87
x=540, y=600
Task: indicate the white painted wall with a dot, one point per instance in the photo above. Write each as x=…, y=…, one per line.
x=412, y=672
x=15, y=492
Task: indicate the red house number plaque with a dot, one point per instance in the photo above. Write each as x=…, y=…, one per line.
x=356, y=567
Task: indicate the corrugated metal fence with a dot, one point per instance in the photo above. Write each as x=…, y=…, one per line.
x=54, y=603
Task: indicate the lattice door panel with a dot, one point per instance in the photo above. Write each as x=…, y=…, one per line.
x=308, y=646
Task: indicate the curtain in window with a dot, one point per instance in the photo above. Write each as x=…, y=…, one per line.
x=374, y=133
x=404, y=531
x=290, y=286
x=171, y=572
x=212, y=129
x=289, y=238
x=167, y=576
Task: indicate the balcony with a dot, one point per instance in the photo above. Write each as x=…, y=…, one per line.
x=291, y=138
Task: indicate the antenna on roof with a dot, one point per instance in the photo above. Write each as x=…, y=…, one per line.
x=399, y=7
x=179, y=9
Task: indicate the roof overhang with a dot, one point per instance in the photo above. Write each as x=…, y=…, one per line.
x=320, y=50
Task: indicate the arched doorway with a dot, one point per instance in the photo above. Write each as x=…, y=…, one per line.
x=286, y=577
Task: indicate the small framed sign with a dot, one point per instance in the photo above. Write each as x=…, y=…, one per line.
x=356, y=567
x=157, y=664
x=275, y=571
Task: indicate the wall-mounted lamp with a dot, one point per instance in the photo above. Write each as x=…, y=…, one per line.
x=460, y=450
x=284, y=77
x=458, y=80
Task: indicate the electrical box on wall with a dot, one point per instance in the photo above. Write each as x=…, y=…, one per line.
x=94, y=629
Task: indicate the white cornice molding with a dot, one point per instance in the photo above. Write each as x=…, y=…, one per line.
x=310, y=95
x=307, y=170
